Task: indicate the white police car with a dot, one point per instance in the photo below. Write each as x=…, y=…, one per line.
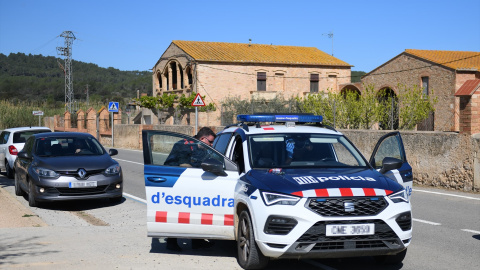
x=285, y=190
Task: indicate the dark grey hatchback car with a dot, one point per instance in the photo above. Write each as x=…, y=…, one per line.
x=67, y=166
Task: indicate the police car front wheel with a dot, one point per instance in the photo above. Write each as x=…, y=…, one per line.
x=249, y=255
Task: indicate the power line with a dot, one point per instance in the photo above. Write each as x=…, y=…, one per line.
x=376, y=74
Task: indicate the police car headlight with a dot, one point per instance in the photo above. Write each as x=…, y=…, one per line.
x=400, y=196
x=46, y=173
x=279, y=199
x=114, y=169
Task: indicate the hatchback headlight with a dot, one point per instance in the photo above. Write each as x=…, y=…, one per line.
x=279, y=199
x=46, y=173
x=114, y=169
x=400, y=196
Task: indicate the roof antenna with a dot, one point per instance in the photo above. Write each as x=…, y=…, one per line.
x=330, y=35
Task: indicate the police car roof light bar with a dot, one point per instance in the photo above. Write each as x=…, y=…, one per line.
x=300, y=118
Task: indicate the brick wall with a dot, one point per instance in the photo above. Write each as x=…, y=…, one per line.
x=469, y=111
x=220, y=81
x=442, y=82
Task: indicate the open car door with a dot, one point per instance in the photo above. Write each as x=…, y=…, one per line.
x=189, y=197
x=391, y=146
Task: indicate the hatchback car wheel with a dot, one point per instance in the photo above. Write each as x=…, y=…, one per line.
x=31, y=197
x=249, y=255
x=9, y=170
x=18, y=189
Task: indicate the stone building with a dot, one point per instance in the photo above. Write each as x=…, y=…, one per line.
x=218, y=70
x=441, y=74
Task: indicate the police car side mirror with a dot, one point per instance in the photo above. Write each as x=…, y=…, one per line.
x=214, y=166
x=390, y=163
x=113, y=152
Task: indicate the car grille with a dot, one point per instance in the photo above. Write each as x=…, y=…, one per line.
x=75, y=173
x=383, y=238
x=82, y=191
x=335, y=207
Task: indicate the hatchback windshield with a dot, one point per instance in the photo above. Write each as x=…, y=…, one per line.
x=67, y=146
x=302, y=150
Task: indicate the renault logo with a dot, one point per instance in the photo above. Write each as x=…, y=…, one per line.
x=349, y=206
x=82, y=173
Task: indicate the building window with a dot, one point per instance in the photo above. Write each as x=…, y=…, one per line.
x=314, y=78
x=261, y=81
x=425, y=85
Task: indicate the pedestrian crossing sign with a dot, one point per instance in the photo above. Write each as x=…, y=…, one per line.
x=198, y=101
x=113, y=106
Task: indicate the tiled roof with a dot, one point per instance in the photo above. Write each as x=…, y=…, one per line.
x=257, y=53
x=468, y=88
x=452, y=59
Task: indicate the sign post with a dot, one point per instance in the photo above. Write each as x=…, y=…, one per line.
x=39, y=113
x=113, y=107
x=197, y=102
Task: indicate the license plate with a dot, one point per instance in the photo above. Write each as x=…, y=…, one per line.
x=350, y=229
x=82, y=184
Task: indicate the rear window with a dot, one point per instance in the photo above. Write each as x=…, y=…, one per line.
x=22, y=136
x=4, y=137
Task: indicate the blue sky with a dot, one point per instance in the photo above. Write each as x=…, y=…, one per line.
x=132, y=35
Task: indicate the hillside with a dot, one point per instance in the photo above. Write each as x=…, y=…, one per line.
x=39, y=78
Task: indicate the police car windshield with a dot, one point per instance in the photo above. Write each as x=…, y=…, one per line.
x=302, y=150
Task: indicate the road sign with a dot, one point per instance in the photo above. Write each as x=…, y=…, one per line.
x=39, y=113
x=198, y=101
x=113, y=106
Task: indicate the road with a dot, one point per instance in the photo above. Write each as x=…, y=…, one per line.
x=100, y=234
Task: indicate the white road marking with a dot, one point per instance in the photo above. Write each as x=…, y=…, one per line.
x=472, y=231
x=134, y=198
x=129, y=161
x=445, y=194
x=427, y=222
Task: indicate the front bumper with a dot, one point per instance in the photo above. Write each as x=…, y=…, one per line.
x=307, y=239
x=59, y=190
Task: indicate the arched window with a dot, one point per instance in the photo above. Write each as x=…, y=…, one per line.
x=388, y=102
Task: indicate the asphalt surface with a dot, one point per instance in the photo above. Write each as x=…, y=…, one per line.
x=100, y=234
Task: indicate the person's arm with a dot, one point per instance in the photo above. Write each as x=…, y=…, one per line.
x=173, y=157
x=290, y=145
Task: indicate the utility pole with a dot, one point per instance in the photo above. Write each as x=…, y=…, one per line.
x=67, y=53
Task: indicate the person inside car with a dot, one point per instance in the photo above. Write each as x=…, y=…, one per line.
x=187, y=153
x=299, y=148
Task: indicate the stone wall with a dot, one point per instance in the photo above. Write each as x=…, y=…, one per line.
x=441, y=159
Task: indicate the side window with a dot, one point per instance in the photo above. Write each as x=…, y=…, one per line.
x=237, y=155
x=222, y=142
x=390, y=147
x=29, y=145
x=179, y=151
